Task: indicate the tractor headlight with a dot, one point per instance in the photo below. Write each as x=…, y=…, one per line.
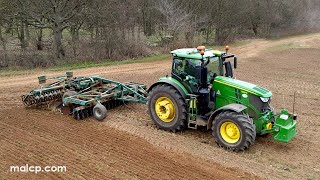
x=265, y=99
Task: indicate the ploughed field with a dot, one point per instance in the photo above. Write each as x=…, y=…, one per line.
x=128, y=146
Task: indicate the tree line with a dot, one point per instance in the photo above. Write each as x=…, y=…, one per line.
x=47, y=32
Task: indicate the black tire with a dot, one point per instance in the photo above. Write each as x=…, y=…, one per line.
x=179, y=121
x=242, y=122
x=99, y=112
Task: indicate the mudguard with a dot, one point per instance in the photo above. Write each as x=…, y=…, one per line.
x=230, y=107
x=173, y=82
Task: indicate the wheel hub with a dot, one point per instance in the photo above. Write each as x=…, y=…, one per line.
x=165, y=109
x=98, y=112
x=230, y=132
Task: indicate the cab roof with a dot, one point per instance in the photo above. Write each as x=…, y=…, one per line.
x=193, y=53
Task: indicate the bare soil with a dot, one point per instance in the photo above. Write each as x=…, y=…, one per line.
x=91, y=150
x=127, y=145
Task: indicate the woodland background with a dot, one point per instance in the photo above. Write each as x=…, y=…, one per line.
x=44, y=33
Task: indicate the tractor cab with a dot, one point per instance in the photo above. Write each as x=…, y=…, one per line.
x=196, y=69
x=193, y=69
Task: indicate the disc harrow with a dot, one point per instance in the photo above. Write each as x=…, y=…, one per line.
x=85, y=96
x=85, y=112
x=31, y=99
x=81, y=113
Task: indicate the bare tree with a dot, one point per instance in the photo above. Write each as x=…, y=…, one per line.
x=175, y=17
x=57, y=14
x=113, y=29
x=4, y=60
x=3, y=40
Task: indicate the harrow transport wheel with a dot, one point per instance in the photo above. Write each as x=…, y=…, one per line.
x=167, y=108
x=99, y=112
x=233, y=131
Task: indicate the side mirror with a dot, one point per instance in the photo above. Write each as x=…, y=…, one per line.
x=235, y=62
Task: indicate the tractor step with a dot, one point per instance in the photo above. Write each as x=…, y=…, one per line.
x=192, y=125
x=198, y=122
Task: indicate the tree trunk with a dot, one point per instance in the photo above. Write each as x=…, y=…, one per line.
x=208, y=32
x=75, y=39
x=132, y=33
x=139, y=35
x=217, y=38
x=3, y=63
x=255, y=29
x=221, y=36
x=39, y=40
x=21, y=35
x=57, y=30
x=189, y=37
x=27, y=32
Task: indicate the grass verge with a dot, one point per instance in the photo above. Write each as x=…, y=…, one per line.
x=88, y=64
x=283, y=47
x=109, y=63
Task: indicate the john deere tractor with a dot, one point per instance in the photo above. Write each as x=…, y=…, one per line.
x=202, y=91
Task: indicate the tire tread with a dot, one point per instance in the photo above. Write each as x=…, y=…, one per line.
x=247, y=124
x=182, y=122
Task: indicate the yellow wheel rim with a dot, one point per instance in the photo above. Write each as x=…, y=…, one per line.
x=165, y=109
x=230, y=132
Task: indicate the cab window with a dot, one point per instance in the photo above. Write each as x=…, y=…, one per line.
x=213, y=67
x=178, y=66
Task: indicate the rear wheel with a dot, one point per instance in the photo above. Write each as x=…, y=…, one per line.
x=233, y=131
x=167, y=108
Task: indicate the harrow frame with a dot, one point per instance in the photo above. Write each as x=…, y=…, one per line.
x=88, y=92
x=107, y=92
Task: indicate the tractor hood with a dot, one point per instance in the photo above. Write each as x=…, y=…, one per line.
x=244, y=86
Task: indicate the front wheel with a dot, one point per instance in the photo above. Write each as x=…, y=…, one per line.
x=233, y=131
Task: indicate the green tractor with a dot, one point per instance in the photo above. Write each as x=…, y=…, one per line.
x=203, y=92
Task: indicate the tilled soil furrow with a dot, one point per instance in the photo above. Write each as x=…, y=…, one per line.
x=132, y=158
x=38, y=155
x=126, y=155
x=11, y=159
